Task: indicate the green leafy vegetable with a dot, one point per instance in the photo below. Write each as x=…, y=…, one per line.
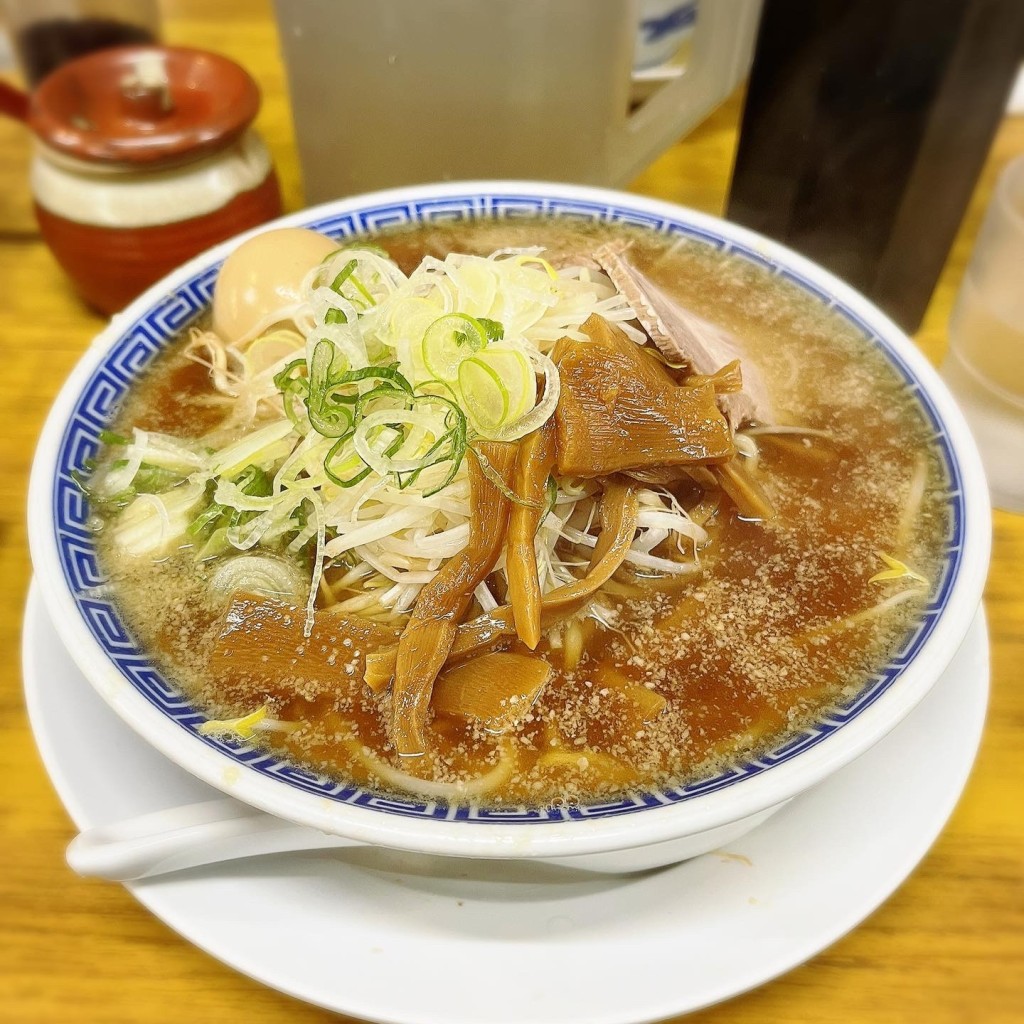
x=494, y=330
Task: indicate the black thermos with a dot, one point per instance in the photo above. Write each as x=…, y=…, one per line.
x=865, y=128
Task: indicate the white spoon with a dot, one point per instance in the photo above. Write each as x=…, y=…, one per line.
x=215, y=831
x=188, y=837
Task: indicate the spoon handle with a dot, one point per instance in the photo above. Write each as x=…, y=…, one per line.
x=188, y=837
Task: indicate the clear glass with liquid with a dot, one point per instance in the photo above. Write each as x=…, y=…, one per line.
x=985, y=365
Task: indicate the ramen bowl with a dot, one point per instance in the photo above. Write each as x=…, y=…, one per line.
x=642, y=830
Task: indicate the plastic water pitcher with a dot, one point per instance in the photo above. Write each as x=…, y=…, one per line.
x=402, y=91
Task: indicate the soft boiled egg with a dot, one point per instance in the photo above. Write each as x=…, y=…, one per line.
x=262, y=276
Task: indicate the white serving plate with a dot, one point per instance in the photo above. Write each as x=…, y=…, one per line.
x=339, y=928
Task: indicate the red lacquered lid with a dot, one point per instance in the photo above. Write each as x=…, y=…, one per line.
x=144, y=105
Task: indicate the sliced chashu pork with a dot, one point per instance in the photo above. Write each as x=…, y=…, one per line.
x=685, y=338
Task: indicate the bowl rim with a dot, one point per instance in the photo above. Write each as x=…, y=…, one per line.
x=569, y=835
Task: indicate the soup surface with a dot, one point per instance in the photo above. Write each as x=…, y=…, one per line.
x=704, y=647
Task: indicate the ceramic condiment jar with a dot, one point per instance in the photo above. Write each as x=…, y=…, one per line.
x=145, y=157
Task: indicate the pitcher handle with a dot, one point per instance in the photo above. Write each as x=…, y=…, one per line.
x=723, y=40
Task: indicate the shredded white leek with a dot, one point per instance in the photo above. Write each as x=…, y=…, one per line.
x=348, y=429
x=152, y=523
x=265, y=575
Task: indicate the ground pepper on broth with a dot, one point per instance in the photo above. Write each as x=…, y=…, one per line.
x=678, y=676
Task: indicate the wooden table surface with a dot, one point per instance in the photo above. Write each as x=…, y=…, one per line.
x=947, y=948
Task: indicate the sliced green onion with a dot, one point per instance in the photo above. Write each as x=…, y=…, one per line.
x=348, y=458
x=293, y=396
x=327, y=417
x=293, y=388
x=434, y=388
x=498, y=387
x=456, y=462
x=363, y=473
x=361, y=288
x=380, y=393
x=343, y=275
x=449, y=340
x=333, y=404
x=216, y=544
x=324, y=366
x=253, y=482
x=288, y=374
x=369, y=429
x=410, y=316
x=540, y=413
x=432, y=457
x=206, y=518
x=330, y=421
x=154, y=479
x=484, y=394
x=450, y=446
x=388, y=373
x=347, y=274
x=256, y=481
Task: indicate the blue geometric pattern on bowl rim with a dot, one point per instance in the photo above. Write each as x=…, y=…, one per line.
x=142, y=340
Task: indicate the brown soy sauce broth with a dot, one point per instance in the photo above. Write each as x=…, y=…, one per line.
x=746, y=652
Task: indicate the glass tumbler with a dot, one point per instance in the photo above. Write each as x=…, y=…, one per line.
x=985, y=365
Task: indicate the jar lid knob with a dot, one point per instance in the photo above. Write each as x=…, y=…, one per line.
x=146, y=88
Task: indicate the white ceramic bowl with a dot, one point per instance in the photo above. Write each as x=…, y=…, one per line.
x=638, y=832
